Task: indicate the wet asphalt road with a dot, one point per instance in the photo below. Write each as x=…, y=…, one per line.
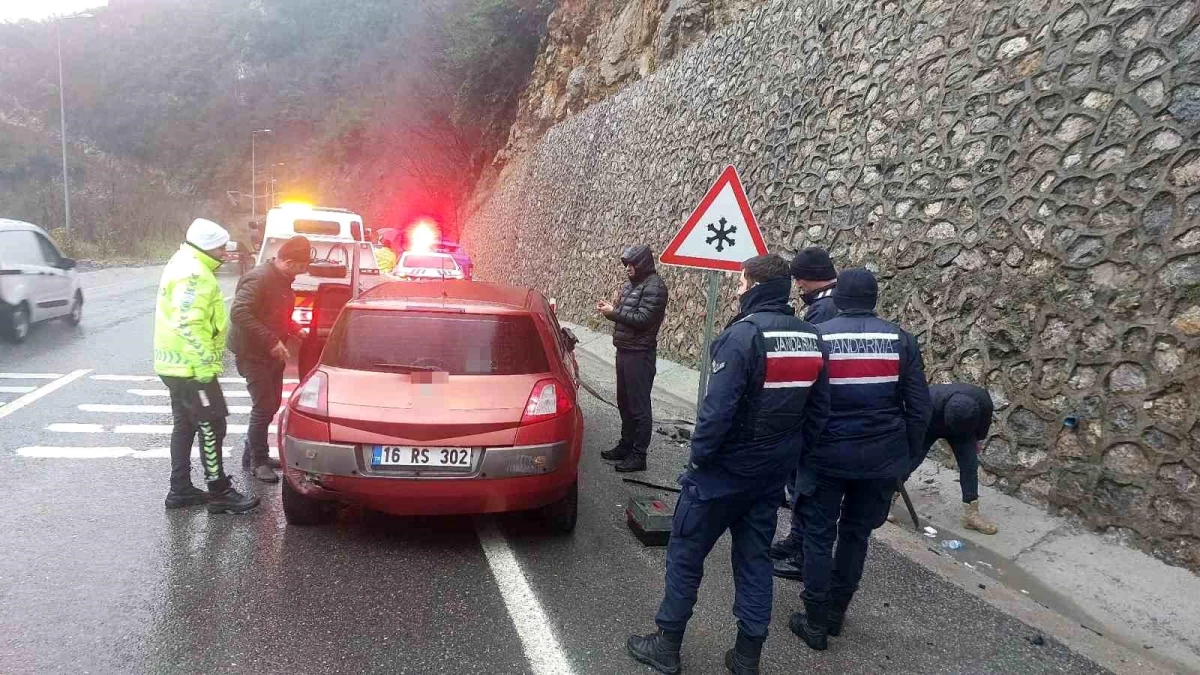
x=95, y=577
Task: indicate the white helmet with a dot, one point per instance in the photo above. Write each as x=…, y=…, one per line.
x=206, y=235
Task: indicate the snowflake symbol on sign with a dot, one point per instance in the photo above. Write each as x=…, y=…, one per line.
x=723, y=235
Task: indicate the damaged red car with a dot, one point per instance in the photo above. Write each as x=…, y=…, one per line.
x=439, y=398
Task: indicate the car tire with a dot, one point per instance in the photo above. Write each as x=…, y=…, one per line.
x=562, y=515
x=16, y=323
x=305, y=511
x=76, y=315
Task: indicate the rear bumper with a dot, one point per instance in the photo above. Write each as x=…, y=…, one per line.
x=502, y=479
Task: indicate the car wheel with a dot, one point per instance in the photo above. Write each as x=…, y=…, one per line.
x=76, y=315
x=16, y=327
x=305, y=511
x=562, y=514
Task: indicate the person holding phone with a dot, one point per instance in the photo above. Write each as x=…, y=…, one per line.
x=637, y=314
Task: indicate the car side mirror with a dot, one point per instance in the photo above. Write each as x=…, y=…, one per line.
x=327, y=270
x=569, y=338
x=67, y=263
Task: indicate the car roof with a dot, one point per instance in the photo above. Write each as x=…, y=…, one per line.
x=10, y=224
x=436, y=254
x=467, y=295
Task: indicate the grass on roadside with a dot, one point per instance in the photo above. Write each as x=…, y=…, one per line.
x=111, y=250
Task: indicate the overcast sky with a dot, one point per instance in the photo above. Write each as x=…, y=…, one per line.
x=15, y=10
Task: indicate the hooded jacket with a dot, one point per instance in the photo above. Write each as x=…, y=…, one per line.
x=939, y=427
x=819, y=306
x=767, y=398
x=190, y=320
x=639, y=312
x=879, y=400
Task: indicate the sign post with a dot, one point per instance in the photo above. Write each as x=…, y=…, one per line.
x=729, y=236
x=710, y=318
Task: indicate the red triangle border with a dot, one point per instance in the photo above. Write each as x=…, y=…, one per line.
x=670, y=255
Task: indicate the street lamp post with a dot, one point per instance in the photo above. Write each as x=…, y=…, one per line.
x=254, y=174
x=62, y=112
x=271, y=201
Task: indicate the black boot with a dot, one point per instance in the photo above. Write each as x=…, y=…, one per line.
x=810, y=625
x=618, y=453
x=658, y=650
x=632, y=463
x=837, y=616
x=788, y=547
x=743, y=658
x=188, y=496
x=228, y=500
x=791, y=569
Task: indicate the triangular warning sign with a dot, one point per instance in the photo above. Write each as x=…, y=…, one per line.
x=721, y=233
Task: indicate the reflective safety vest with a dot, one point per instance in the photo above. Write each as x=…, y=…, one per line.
x=190, y=319
x=385, y=259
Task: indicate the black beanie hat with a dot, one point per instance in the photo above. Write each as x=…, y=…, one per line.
x=296, y=249
x=856, y=289
x=813, y=264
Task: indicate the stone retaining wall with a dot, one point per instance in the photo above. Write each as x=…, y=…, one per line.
x=1024, y=175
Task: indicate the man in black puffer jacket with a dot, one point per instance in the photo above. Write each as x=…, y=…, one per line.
x=261, y=322
x=638, y=315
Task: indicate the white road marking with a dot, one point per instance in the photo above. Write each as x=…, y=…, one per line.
x=139, y=429
x=70, y=428
x=149, y=409
x=533, y=627
x=163, y=393
x=45, y=390
x=67, y=452
x=30, y=376
x=146, y=378
x=16, y=390
x=73, y=453
x=124, y=378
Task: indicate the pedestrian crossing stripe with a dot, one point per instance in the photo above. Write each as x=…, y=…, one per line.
x=30, y=376
x=137, y=429
x=156, y=378
x=115, y=452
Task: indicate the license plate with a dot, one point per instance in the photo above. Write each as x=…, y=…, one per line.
x=433, y=458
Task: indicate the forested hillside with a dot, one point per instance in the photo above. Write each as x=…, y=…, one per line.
x=388, y=106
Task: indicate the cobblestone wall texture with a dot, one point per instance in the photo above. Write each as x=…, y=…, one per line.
x=1023, y=174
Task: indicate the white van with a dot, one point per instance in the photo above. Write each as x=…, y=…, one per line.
x=36, y=281
x=334, y=235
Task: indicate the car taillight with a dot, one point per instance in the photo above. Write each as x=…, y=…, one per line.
x=312, y=397
x=548, y=400
x=302, y=310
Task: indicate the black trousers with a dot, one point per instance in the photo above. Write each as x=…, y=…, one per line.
x=966, y=454
x=197, y=409
x=635, y=381
x=264, y=381
x=840, y=511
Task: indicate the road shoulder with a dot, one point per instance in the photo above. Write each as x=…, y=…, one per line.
x=1123, y=609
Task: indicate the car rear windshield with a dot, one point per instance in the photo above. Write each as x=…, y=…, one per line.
x=435, y=262
x=458, y=344
x=327, y=228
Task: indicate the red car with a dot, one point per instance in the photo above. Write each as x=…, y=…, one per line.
x=444, y=397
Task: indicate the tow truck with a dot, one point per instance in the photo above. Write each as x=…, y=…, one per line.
x=335, y=235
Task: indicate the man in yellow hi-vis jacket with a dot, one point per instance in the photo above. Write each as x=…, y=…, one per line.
x=190, y=322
